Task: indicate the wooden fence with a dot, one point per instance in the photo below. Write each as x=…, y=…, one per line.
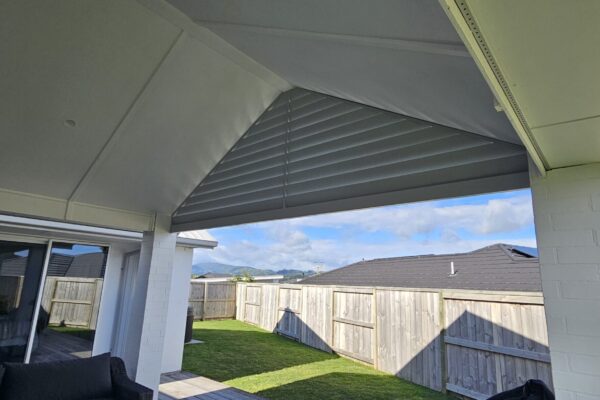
x=472, y=343
x=212, y=300
x=72, y=301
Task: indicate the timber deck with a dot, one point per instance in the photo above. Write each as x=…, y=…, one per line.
x=185, y=385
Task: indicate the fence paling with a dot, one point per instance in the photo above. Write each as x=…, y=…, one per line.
x=72, y=301
x=474, y=343
x=213, y=300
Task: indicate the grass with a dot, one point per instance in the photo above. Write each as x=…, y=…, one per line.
x=82, y=333
x=257, y=361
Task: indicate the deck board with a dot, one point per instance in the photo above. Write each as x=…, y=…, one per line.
x=185, y=385
x=57, y=346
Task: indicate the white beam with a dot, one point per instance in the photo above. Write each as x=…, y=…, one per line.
x=38, y=206
x=486, y=64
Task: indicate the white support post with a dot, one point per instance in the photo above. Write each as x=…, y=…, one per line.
x=566, y=206
x=152, y=291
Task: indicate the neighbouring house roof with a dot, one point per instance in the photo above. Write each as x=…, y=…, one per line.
x=226, y=277
x=495, y=267
x=215, y=275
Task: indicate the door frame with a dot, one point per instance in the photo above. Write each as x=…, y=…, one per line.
x=129, y=272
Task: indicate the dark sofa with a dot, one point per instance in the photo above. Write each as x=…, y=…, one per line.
x=97, y=378
x=533, y=389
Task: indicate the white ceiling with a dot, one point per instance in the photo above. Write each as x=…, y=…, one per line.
x=157, y=101
x=158, y=96
x=403, y=56
x=548, y=53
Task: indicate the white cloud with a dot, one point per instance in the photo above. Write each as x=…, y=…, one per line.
x=425, y=228
x=495, y=216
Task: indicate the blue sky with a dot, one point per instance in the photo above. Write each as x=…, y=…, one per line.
x=337, y=239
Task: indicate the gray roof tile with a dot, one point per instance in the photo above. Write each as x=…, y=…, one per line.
x=496, y=267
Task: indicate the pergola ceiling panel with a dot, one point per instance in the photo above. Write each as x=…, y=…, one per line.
x=403, y=56
x=311, y=153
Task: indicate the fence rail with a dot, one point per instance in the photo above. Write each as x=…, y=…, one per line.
x=473, y=343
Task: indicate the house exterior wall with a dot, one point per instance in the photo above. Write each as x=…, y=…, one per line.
x=177, y=312
x=567, y=219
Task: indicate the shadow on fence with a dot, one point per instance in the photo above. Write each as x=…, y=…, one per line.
x=481, y=359
x=468, y=348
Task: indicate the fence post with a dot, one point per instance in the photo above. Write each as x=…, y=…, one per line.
x=375, y=348
x=204, y=301
x=443, y=358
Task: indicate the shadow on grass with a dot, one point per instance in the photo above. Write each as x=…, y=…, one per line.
x=243, y=350
x=350, y=386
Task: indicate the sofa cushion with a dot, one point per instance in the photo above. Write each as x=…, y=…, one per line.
x=87, y=378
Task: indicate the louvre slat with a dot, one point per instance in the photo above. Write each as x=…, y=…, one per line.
x=389, y=157
x=279, y=126
x=330, y=113
x=266, y=127
x=299, y=106
x=217, y=202
x=344, y=121
x=309, y=149
x=440, y=176
x=350, y=148
x=276, y=140
x=301, y=98
x=404, y=168
x=246, y=208
x=298, y=112
x=273, y=149
x=239, y=186
x=235, y=172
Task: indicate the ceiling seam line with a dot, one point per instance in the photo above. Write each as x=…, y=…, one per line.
x=566, y=122
x=117, y=131
x=193, y=31
x=418, y=46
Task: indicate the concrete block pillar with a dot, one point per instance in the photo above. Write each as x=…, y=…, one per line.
x=153, y=287
x=566, y=206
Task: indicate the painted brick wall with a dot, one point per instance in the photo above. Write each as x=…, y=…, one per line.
x=156, y=259
x=567, y=218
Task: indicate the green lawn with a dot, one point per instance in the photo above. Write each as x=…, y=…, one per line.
x=251, y=359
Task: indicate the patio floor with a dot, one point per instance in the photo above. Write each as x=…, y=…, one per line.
x=56, y=346
x=185, y=385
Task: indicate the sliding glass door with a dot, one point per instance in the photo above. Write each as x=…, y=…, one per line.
x=21, y=268
x=70, y=302
x=57, y=285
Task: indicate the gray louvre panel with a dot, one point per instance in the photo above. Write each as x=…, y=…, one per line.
x=311, y=153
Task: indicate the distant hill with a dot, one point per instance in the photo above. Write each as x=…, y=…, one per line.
x=219, y=268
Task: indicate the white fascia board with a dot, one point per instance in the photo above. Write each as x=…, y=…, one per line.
x=37, y=206
x=196, y=243
x=500, y=90
x=66, y=230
